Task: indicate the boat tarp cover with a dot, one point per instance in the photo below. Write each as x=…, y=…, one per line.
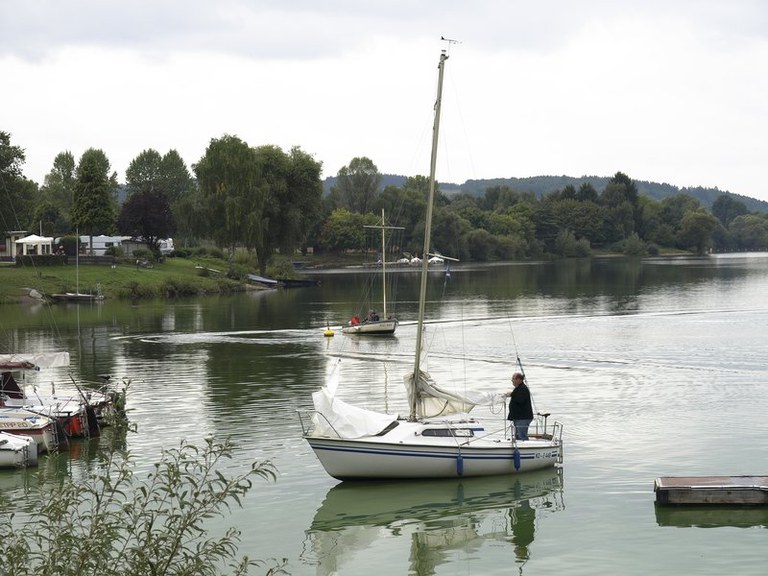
x=432, y=401
x=41, y=360
x=335, y=418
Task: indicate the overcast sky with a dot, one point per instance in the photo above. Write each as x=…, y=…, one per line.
x=670, y=91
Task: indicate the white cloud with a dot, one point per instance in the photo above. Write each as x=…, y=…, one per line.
x=661, y=90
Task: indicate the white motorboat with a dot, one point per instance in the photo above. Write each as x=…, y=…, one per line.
x=41, y=429
x=438, y=439
x=17, y=451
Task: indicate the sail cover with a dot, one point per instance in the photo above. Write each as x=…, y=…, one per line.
x=432, y=401
x=335, y=418
x=34, y=361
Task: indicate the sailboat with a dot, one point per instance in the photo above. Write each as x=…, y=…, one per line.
x=438, y=439
x=375, y=324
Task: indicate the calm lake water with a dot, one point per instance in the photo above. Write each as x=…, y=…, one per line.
x=655, y=367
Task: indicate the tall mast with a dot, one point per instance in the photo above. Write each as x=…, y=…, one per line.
x=427, y=234
x=383, y=266
x=384, y=228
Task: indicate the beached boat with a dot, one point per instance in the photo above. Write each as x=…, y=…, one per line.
x=438, y=439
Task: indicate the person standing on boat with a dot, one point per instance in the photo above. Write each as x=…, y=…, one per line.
x=520, y=409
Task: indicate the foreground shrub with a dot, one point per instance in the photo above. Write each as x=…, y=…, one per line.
x=177, y=288
x=114, y=523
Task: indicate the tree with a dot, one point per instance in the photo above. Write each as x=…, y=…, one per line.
x=293, y=191
x=726, y=208
x=587, y=193
x=481, y=245
x=143, y=173
x=189, y=212
x=175, y=178
x=696, y=229
x=59, y=185
x=11, y=157
x=229, y=177
x=358, y=184
x=750, y=232
x=93, y=210
x=17, y=192
x=449, y=235
x=50, y=218
x=147, y=214
x=342, y=230
x=620, y=196
x=583, y=218
x=620, y=189
x=147, y=211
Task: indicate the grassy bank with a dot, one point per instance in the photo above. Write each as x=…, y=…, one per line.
x=173, y=278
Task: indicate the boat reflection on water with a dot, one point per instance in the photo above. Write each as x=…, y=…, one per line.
x=78, y=462
x=440, y=517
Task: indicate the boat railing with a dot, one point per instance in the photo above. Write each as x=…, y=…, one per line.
x=306, y=428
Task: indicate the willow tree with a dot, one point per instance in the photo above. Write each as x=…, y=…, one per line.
x=294, y=192
x=93, y=209
x=230, y=181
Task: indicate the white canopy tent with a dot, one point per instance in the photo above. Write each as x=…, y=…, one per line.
x=34, y=244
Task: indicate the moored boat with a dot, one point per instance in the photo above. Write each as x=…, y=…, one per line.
x=17, y=451
x=77, y=413
x=45, y=431
x=375, y=324
x=438, y=439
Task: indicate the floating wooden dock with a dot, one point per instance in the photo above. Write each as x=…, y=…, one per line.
x=712, y=490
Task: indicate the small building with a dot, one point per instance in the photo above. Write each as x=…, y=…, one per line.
x=34, y=245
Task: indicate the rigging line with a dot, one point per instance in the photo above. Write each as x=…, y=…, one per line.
x=520, y=363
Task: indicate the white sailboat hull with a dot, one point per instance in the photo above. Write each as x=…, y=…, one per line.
x=372, y=328
x=411, y=455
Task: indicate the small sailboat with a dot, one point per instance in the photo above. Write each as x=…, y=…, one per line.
x=375, y=324
x=438, y=439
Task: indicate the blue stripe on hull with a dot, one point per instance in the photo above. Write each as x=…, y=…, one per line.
x=474, y=462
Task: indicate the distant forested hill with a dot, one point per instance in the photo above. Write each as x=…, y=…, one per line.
x=541, y=185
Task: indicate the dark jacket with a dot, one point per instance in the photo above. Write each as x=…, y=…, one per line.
x=520, y=404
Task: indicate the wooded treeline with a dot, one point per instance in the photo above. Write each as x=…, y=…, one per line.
x=264, y=200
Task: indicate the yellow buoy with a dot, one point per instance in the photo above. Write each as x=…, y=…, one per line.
x=328, y=332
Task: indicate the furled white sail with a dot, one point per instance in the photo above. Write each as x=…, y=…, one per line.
x=40, y=360
x=432, y=401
